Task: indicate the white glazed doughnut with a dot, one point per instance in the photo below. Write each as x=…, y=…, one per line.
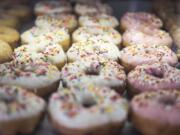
x=103, y=20
x=48, y=7
x=87, y=110
x=132, y=20
x=49, y=35
x=132, y=56
x=20, y=110
x=40, y=78
x=68, y=21
x=97, y=34
x=51, y=53
x=92, y=9
x=80, y=50
x=146, y=36
x=94, y=70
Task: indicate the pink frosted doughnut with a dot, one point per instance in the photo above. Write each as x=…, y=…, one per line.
x=140, y=19
x=87, y=111
x=157, y=113
x=134, y=55
x=153, y=77
x=146, y=36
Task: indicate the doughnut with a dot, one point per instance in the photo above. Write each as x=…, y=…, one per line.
x=20, y=110
x=9, y=35
x=18, y=10
x=94, y=70
x=153, y=77
x=49, y=35
x=132, y=56
x=97, y=34
x=40, y=78
x=80, y=50
x=51, y=53
x=48, y=7
x=157, y=113
x=88, y=110
x=92, y=9
x=146, y=36
x=8, y=20
x=132, y=20
x=103, y=20
x=68, y=21
x=5, y=52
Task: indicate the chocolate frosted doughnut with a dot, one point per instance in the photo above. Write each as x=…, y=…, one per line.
x=132, y=20
x=157, y=112
x=94, y=70
x=132, y=56
x=153, y=77
x=87, y=110
x=40, y=78
x=20, y=110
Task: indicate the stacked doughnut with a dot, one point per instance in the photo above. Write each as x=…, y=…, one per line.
x=153, y=80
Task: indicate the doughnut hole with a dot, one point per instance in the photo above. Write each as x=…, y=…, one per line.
x=93, y=70
x=88, y=101
x=155, y=72
x=167, y=100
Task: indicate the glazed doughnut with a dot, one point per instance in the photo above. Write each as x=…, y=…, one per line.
x=97, y=34
x=40, y=78
x=103, y=20
x=48, y=7
x=8, y=20
x=9, y=35
x=94, y=70
x=80, y=50
x=18, y=10
x=153, y=77
x=132, y=56
x=88, y=110
x=49, y=35
x=51, y=53
x=140, y=20
x=68, y=21
x=5, y=52
x=157, y=113
x=146, y=36
x=92, y=9
x=20, y=110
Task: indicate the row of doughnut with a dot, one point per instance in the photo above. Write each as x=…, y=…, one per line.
x=89, y=72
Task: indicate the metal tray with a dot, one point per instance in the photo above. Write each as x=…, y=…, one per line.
x=120, y=7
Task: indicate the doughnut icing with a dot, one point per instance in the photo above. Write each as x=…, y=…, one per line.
x=132, y=20
x=68, y=21
x=80, y=50
x=97, y=34
x=9, y=35
x=87, y=110
x=48, y=7
x=51, y=53
x=157, y=112
x=103, y=20
x=20, y=110
x=132, y=56
x=94, y=70
x=37, y=35
x=92, y=9
x=40, y=78
x=146, y=36
x=5, y=52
